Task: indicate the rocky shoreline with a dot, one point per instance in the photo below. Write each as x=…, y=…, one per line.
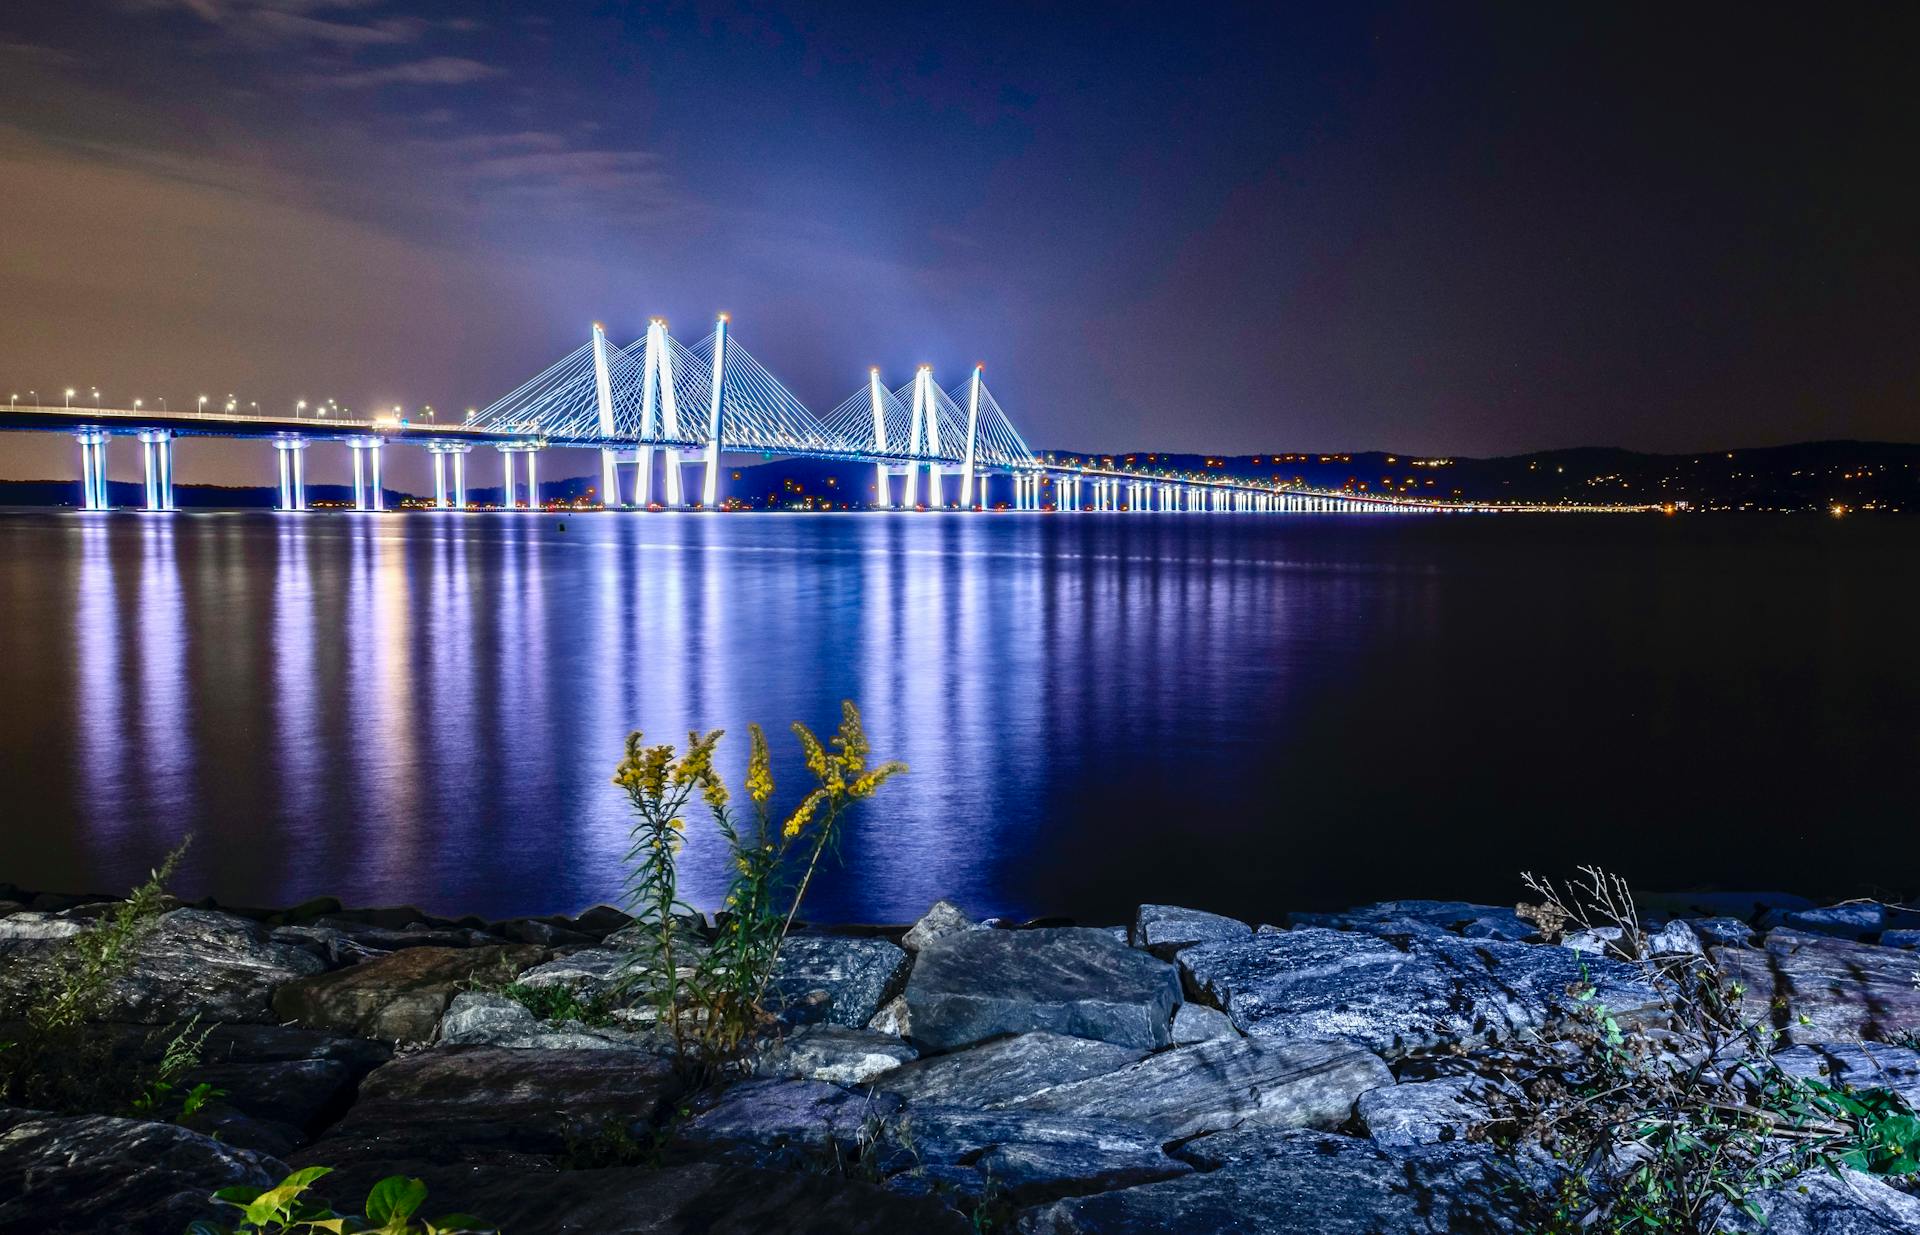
x=1330, y=1073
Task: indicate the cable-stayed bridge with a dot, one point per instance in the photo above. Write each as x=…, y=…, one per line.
x=663, y=415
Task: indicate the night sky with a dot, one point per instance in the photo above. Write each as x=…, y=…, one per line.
x=1431, y=228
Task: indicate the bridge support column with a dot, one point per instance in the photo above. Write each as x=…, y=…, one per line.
x=379, y=494
x=609, y=480
x=367, y=490
x=643, y=476
x=439, y=477
x=506, y=463
x=533, y=480
x=156, y=459
x=290, y=453
x=93, y=468
x=459, y=454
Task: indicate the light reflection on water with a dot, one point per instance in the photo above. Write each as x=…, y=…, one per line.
x=1249, y=713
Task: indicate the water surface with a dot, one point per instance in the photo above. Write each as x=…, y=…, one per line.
x=1251, y=713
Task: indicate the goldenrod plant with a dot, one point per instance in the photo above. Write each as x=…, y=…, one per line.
x=715, y=1004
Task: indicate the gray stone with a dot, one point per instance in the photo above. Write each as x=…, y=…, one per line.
x=1422, y=1112
x=1818, y=1203
x=452, y=1102
x=416, y=934
x=943, y=919
x=894, y=1018
x=837, y=979
x=1676, y=938
x=591, y=973
x=1853, y=920
x=334, y=947
x=1291, y=1183
x=1029, y=1157
x=1900, y=939
x=1598, y=941
x=1437, y=990
x=477, y=1018
x=1814, y=988
x=1858, y=1065
x=1006, y=1069
x=190, y=962
x=86, y=1174
x=1725, y=932
x=400, y=996
x=28, y=924
x=1196, y=1022
x=796, y=1125
x=690, y=1199
x=982, y=984
x=1412, y=917
x=1218, y=1085
x=834, y=1053
x=1165, y=929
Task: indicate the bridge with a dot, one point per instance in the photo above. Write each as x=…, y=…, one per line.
x=656, y=408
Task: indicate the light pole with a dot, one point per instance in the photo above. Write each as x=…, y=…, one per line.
x=13, y=400
x=96, y=396
x=163, y=403
x=69, y=396
x=300, y=409
x=136, y=405
x=203, y=404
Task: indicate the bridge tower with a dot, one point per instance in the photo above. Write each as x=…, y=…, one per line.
x=603, y=395
x=710, y=490
x=973, y=431
x=881, y=488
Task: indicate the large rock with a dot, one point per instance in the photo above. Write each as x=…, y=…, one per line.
x=1006, y=1069
x=1818, y=989
x=1029, y=1156
x=1817, y=1203
x=477, y=1018
x=1214, y=1086
x=1196, y=1022
x=1856, y=1065
x=1291, y=1183
x=33, y=926
x=1423, y=1112
x=1423, y=917
x=399, y=997
x=190, y=962
x=979, y=985
x=1165, y=929
x=87, y=1174
x=1858, y=920
x=591, y=973
x=1429, y=991
x=943, y=919
x=794, y=1125
x=837, y=979
x=834, y=1053
x=457, y=1102
x=692, y=1199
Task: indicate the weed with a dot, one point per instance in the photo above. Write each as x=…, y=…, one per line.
x=286, y=1208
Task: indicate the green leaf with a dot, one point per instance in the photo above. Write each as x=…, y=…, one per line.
x=394, y=1199
x=236, y=1194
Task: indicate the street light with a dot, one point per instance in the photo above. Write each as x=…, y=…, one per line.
x=300, y=409
x=203, y=403
x=136, y=405
x=163, y=403
x=96, y=396
x=69, y=396
x=13, y=399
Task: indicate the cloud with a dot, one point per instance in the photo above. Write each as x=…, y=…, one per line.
x=293, y=23
x=433, y=71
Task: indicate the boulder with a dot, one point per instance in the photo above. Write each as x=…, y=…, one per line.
x=893, y=1018
x=1814, y=988
x=401, y=996
x=379, y=937
x=602, y=920
x=460, y=1102
x=1165, y=929
x=1676, y=938
x=1422, y=1112
x=982, y=984
x=834, y=1053
x=1858, y=920
x=1287, y=1183
x=541, y=931
x=837, y=979
x=29, y=925
x=1196, y=1022
x=86, y=1174
x=190, y=962
x=943, y=919
x=591, y=973
x=1029, y=1157
x=1818, y=1203
x=1423, y=917
x=792, y=1125
x=1006, y=1069
x=480, y=1018
x=1432, y=991
x=1218, y=1085
x=691, y=1199
x=1857, y=1065
x=1909, y=939
x=1725, y=932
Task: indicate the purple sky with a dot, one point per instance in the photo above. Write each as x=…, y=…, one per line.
x=1236, y=229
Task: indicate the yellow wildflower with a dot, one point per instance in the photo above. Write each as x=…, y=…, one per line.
x=865, y=786
x=759, y=767
x=815, y=753
x=803, y=814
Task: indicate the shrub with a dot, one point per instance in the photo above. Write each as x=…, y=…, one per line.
x=1663, y=1129
x=713, y=1004
x=285, y=1207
